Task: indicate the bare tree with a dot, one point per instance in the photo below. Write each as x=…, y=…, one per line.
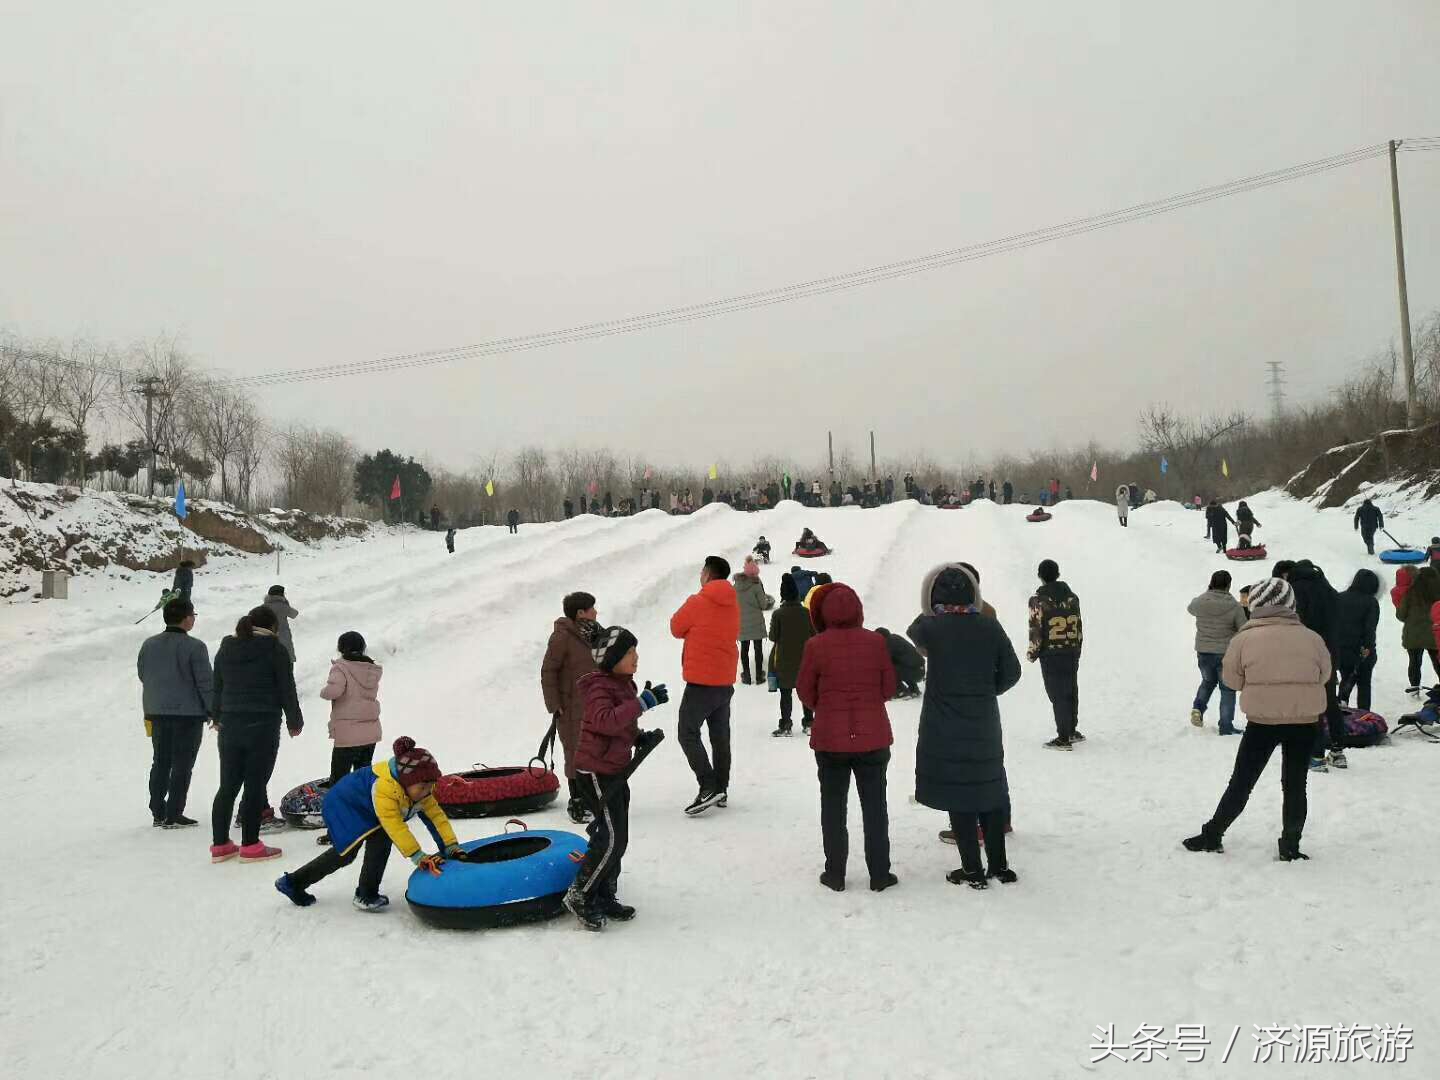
x=1186, y=443
x=88, y=379
x=154, y=403
x=221, y=418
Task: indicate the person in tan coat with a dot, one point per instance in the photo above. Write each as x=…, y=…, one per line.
x=1280, y=670
x=567, y=658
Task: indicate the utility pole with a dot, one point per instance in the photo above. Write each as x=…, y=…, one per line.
x=1277, y=388
x=1407, y=348
x=830, y=436
x=872, y=457
x=148, y=391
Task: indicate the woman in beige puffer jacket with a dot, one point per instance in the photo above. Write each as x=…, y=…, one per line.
x=1280, y=669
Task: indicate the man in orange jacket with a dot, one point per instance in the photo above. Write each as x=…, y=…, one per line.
x=709, y=625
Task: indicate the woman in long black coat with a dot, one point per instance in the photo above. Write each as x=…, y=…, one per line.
x=960, y=756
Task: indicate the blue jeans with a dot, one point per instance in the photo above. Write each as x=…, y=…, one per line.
x=1209, y=680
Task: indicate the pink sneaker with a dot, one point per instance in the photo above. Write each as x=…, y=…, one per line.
x=258, y=852
x=223, y=852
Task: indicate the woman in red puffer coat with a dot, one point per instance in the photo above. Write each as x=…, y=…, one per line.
x=846, y=677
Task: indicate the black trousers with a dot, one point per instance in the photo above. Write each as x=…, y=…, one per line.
x=759, y=659
x=703, y=706
x=1330, y=731
x=347, y=759
x=787, y=709
x=834, y=772
x=175, y=743
x=1061, y=672
x=1355, y=675
x=608, y=800
x=1256, y=745
x=1221, y=535
x=966, y=825
x=377, y=853
x=1368, y=535
x=1415, y=663
x=248, y=747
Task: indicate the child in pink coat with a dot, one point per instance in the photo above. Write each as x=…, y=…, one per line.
x=353, y=690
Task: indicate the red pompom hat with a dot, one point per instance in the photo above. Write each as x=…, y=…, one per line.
x=413, y=764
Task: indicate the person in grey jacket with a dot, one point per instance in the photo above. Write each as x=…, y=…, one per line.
x=276, y=601
x=754, y=602
x=1218, y=616
x=176, y=683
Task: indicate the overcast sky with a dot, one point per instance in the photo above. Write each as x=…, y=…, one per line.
x=288, y=185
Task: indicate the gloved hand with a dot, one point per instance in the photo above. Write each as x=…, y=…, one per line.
x=648, y=739
x=428, y=863
x=654, y=695
x=295, y=728
x=451, y=850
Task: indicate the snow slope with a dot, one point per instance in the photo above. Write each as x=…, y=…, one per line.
x=129, y=955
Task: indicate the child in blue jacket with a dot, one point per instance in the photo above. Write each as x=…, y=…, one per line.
x=373, y=807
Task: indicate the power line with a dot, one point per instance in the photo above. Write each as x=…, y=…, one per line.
x=820, y=286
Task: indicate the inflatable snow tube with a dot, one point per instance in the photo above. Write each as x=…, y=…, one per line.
x=1250, y=554
x=486, y=792
x=810, y=553
x=1363, y=728
x=503, y=880
x=301, y=805
x=1038, y=515
x=1403, y=555
x=952, y=506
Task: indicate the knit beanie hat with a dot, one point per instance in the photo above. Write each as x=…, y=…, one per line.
x=351, y=643
x=610, y=647
x=752, y=568
x=414, y=765
x=788, y=589
x=1273, y=592
x=276, y=590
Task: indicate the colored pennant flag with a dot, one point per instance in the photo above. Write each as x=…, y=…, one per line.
x=395, y=488
x=490, y=488
x=593, y=488
x=714, y=473
x=1094, y=471
x=1224, y=468
x=1164, y=466
x=180, y=510
x=649, y=474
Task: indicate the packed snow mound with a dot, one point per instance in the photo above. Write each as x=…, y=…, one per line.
x=44, y=527
x=125, y=947
x=1394, y=462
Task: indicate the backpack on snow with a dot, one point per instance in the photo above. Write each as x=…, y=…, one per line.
x=1363, y=727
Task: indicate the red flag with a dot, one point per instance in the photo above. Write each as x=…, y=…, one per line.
x=395, y=488
x=1094, y=471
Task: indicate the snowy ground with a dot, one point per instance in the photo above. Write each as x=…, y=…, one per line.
x=128, y=955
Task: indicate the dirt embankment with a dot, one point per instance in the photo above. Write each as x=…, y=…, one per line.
x=1408, y=458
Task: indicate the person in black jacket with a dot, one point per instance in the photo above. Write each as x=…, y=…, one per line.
x=1056, y=637
x=1245, y=521
x=184, y=580
x=960, y=752
x=1369, y=520
x=1217, y=523
x=513, y=520
x=908, y=663
x=254, y=685
x=1315, y=603
x=1357, y=613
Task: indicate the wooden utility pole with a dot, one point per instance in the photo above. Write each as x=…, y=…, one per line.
x=872, y=457
x=148, y=391
x=830, y=436
x=1407, y=348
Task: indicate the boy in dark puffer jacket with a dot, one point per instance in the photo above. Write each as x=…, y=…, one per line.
x=609, y=732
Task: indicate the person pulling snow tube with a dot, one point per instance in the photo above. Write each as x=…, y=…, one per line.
x=1038, y=515
x=1403, y=555
x=486, y=792
x=301, y=806
x=505, y=880
x=1246, y=554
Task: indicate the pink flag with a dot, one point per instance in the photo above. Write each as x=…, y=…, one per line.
x=648, y=473
x=593, y=488
x=1094, y=471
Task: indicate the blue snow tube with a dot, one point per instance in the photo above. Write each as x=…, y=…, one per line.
x=499, y=881
x=1403, y=555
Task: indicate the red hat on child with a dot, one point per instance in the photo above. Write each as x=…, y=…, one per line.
x=413, y=764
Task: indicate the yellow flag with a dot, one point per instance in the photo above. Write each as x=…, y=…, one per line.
x=490, y=488
x=1224, y=468
x=714, y=473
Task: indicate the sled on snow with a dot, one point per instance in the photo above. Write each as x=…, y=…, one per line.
x=1038, y=515
x=1250, y=554
x=812, y=552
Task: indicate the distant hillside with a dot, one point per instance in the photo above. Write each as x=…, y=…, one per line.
x=1403, y=461
x=43, y=527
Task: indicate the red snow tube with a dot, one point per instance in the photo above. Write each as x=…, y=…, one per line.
x=1038, y=515
x=486, y=792
x=1250, y=554
x=952, y=506
x=810, y=553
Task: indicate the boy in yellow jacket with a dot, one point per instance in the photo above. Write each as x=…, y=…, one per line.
x=373, y=807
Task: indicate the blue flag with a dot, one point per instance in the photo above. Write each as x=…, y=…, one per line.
x=1164, y=466
x=180, y=501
